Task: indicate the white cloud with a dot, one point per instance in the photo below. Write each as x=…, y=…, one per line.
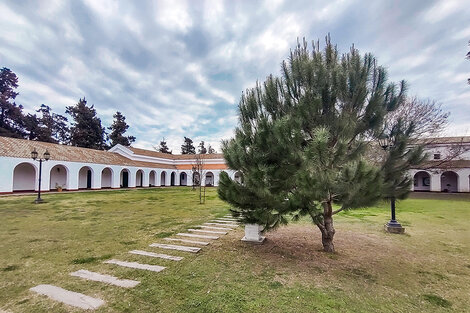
x=173, y=15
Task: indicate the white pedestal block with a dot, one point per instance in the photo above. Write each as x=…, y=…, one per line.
x=253, y=233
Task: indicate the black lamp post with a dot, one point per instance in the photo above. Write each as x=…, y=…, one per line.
x=46, y=157
x=392, y=226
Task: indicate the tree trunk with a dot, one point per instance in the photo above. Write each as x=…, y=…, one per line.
x=327, y=229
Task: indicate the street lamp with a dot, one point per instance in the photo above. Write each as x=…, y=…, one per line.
x=46, y=157
x=386, y=142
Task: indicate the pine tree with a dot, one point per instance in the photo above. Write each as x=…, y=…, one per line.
x=12, y=119
x=187, y=147
x=86, y=130
x=164, y=148
x=201, y=148
x=48, y=127
x=118, y=128
x=302, y=137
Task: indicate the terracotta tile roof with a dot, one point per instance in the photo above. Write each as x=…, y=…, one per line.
x=445, y=140
x=21, y=148
x=444, y=164
x=173, y=156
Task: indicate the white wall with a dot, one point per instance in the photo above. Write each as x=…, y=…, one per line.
x=73, y=175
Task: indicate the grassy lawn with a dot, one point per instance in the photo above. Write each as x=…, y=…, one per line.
x=425, y=270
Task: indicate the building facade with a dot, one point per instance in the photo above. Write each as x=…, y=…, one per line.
x=73, y=168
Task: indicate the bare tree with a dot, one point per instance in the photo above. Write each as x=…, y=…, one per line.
x=427, y=116
x=468, y=58
x=428, y=120
x=199, y=173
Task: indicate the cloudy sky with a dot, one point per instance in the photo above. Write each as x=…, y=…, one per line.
x=177, y=68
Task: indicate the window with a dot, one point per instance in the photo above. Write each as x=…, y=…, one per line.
x=437, y=156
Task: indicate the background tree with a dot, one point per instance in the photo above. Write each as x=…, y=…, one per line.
x=199, y=173
x=11, y=114
x=163, y=147
x=201, y=148
x=302, y=137
x=211, y=150
x=47, y=127
x=187, y=147
x=118, y=128
x=86, y=130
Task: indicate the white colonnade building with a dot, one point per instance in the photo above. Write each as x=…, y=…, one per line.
x=74, y=168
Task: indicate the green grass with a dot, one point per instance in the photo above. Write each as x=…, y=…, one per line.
x=425, y=270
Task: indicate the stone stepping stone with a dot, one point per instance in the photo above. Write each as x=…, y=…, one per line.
x=175, y=247
x=157, y=255
x=126, y=283
x=148, y=267
x=220, y=224
x=197, y=236
x=208, y=231
x=212, y=227
x=227, y=219
x=75, y=299
x=202, y=243
x=222, y=221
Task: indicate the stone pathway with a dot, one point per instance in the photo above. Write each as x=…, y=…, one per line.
x=212, y=227
x=221, y=224
x=207, y=231
x=153, y=268
x=202, y=243
x=126, y=283
x=174, y=247
x=75, y=299
x=157, y=255
x=218, y=226
x=197, y=236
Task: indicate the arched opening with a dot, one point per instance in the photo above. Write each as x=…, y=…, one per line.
x=172, y=179
x=85, y=176
x=162, y=178
x=139, y=178
x=449, y=182
x=24, y=177
x=58, y=178
x=106, y=178
x=209, y=179
x=183, y=179
x=422, y=181
x=238, y=177
x=196, y=179
x=152, y=179
x=124, y=179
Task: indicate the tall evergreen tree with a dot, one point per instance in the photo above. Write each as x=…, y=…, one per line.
x=12, y=119
x=164, y=147
x=302, y=137
x=187, y=147
x=48, y=127
x=118, y=128
x=201, y=148
x=86, y=130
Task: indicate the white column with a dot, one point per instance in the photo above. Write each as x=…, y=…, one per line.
x=145, y=180
x=96, y=177
x=216, y=177
x=436, y=182
x=132, y=176
x=116, y=179
x=177, y=178
x=463, y=184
